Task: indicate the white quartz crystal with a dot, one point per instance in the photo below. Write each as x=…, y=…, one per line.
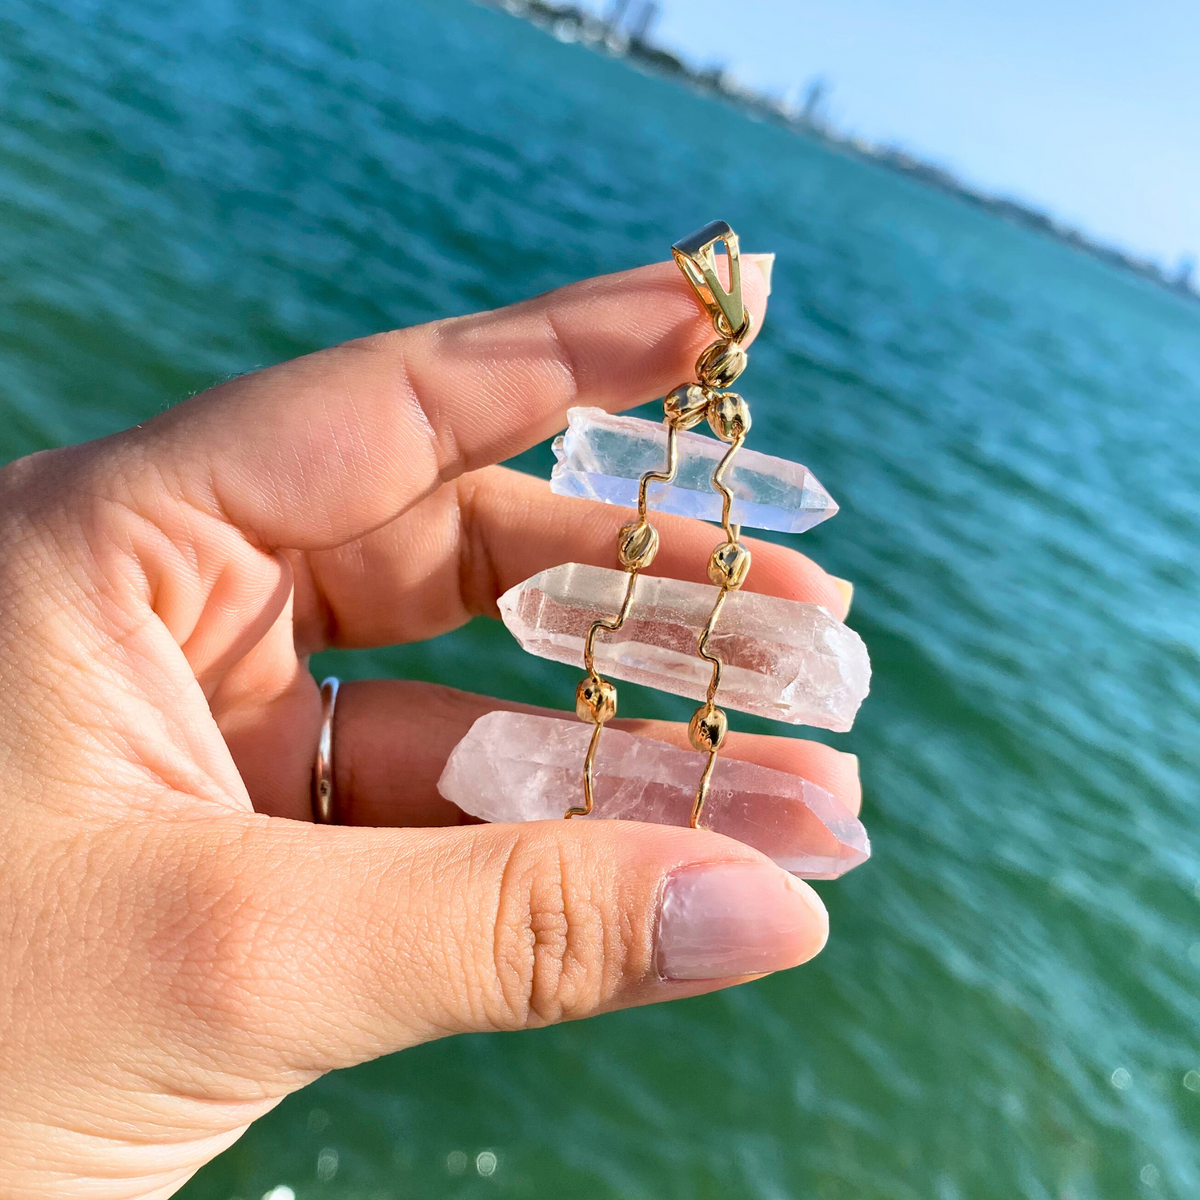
x=783, y=659
x=602, y=457
x=520, y=767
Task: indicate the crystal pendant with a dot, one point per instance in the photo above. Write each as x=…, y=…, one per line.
x=783, y=659
x=602, y=457
x=521, y=767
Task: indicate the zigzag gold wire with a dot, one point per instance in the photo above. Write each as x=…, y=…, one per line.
x=600, y=713
x=729, y=417
x=731, y=536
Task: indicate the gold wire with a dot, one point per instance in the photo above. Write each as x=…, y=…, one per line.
x=666, y=475
x=732, y=533
x=702, y=790
x=694, y=256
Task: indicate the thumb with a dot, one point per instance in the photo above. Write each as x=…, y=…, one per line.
x=380, y=939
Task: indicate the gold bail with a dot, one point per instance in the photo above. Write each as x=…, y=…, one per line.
x=694, y=257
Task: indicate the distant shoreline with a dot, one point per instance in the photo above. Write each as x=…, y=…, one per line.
x=568, y=24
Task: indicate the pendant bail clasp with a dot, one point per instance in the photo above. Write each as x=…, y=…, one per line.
x=695, y=258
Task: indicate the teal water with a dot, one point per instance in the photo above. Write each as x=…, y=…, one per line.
x=187, y=192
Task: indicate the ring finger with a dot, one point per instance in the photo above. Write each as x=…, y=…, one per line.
x=393, y=737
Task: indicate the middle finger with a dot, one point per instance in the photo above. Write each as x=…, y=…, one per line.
x=451, y=557
x=393, y=738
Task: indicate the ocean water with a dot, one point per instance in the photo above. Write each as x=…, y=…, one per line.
x=1008, y=1006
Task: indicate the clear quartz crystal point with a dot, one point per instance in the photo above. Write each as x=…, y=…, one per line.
x=520, y=767
x=602, y=457
x=782, y=659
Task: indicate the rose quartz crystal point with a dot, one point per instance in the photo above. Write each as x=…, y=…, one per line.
x=515, y=767
x=783, y=659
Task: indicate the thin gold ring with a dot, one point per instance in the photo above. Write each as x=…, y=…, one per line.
x=324, y=797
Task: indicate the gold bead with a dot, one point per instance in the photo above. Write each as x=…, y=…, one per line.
x=728, y=416
x=707, y=728
x=637, y=544
x=685, y=406
x=595, y=700
x=728, y=565
x=721, y=363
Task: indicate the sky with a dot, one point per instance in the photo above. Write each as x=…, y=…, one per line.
x=1090, y=111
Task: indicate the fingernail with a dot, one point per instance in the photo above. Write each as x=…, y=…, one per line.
x=766, y=264
x=720, y=920
x=847, y=589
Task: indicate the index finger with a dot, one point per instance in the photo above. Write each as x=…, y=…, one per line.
x=325, y=448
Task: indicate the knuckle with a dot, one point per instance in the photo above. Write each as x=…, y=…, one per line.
x=560, y=947
x=479, y=576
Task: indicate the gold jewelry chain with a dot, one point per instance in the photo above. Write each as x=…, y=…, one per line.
x=637, y=544
x=728, y=416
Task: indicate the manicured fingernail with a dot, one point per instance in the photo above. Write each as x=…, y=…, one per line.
x=765, y=263
x=846, y=588
x=720, y=920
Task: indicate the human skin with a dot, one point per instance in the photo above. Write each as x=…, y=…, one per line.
x=180, y=947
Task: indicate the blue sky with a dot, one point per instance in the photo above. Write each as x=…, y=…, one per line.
x=1091, y=111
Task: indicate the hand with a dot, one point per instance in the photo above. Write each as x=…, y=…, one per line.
x=175, y=955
